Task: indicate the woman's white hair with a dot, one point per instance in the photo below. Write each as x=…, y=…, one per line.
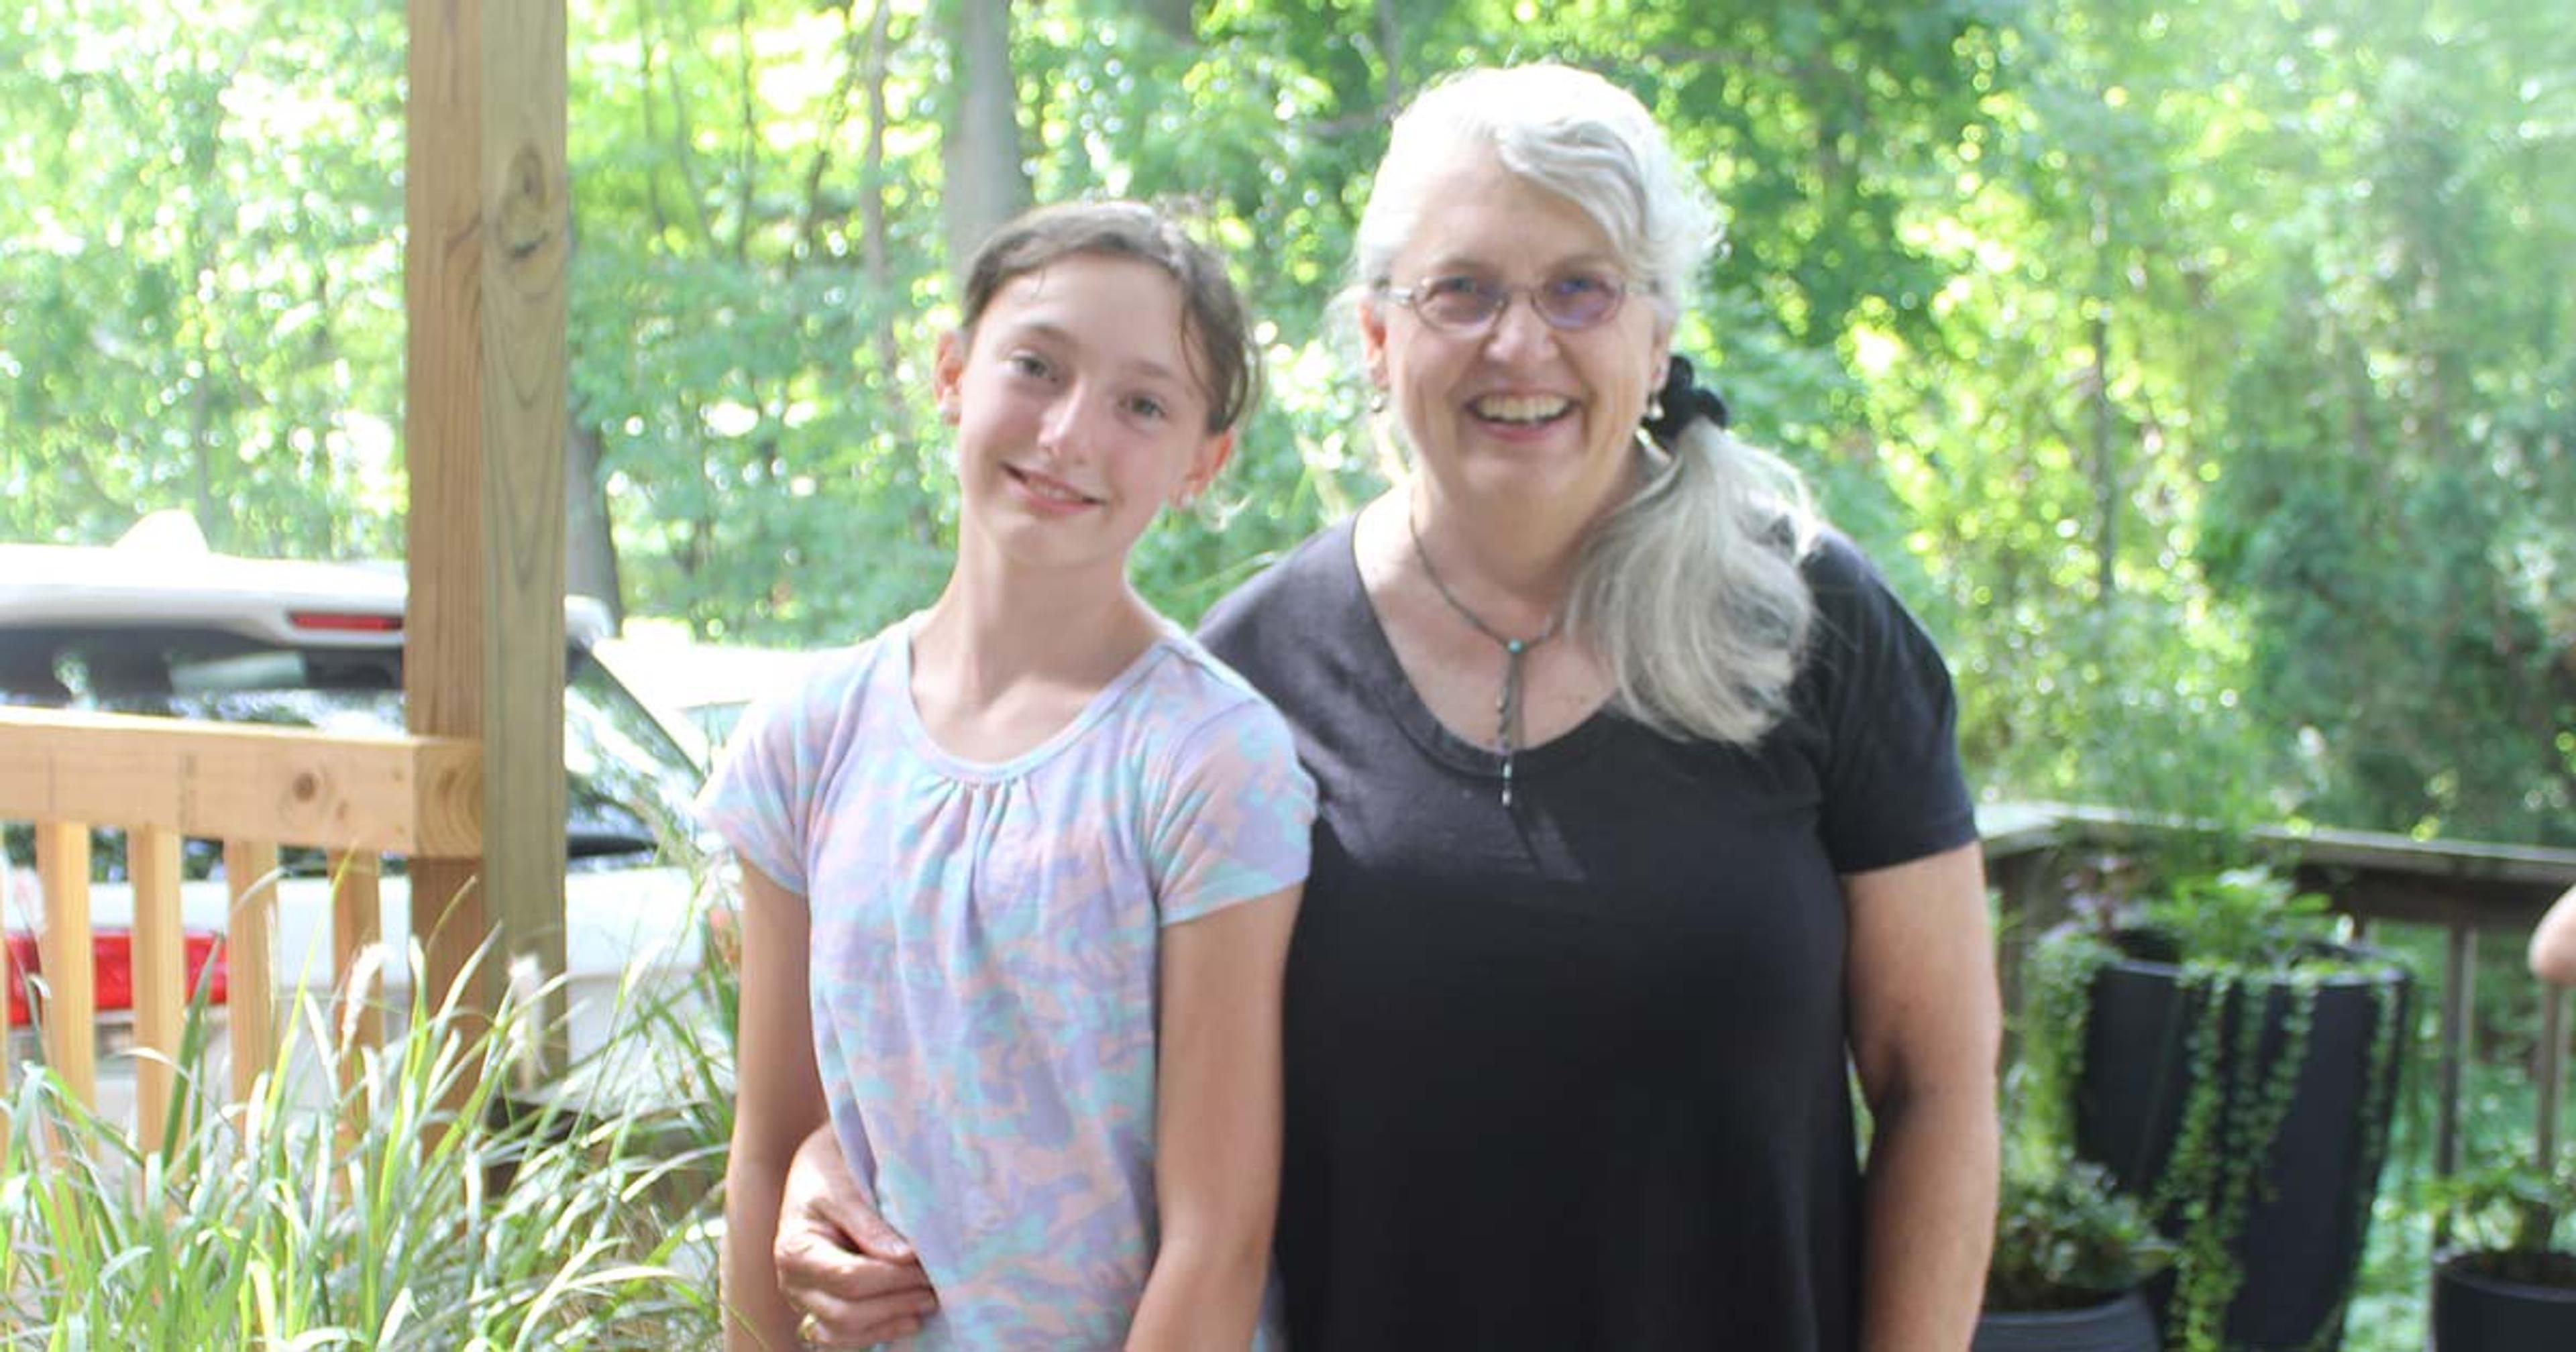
x=1691, y=589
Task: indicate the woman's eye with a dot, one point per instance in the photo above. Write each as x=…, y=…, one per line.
x=1028, y=364
x=1145, y=406
x=1443, y=288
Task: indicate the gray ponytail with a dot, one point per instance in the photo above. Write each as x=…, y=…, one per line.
x=1691, y=590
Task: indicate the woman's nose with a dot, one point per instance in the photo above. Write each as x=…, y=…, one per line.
x=1518, y=333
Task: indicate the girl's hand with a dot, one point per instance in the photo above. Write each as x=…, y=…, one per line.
x=855, y=1280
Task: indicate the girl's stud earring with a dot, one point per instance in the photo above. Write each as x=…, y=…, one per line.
x=1377, y=401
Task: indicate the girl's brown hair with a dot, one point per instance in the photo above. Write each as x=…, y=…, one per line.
x=1216, y=333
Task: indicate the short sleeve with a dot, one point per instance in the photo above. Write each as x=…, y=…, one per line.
x=1235, y=816
x=758, y=799
x=1893, y=787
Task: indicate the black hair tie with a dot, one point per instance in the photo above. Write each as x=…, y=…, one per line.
x=1682, y=399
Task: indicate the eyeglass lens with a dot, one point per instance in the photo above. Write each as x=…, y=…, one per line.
x=1576, y=300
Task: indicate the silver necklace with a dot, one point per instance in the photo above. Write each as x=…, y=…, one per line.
x=1507, y=709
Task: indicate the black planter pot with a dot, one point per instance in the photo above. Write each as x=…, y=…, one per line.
x=2477, y=1311
x=2299, y=1247
x=2121, y=1325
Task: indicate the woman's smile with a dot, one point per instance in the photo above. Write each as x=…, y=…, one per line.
x=1520, y=410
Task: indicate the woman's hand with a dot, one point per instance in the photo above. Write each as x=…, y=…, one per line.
x=856, y=1281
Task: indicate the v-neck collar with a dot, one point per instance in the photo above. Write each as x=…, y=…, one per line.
x=1377, y=667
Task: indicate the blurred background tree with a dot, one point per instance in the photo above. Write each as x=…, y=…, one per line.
x=2199, y=371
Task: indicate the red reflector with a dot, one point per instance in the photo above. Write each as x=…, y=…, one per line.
x=112, y=969
x=343, y=622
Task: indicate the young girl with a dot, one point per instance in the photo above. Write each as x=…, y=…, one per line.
x=1018, y=872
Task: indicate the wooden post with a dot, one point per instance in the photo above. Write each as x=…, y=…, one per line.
x=250, y=963
x=357, y=924
x=160, y=969
x=2552, y=1053
x=2459, y=1010
x=2022, y=849
x=70, y=1011
x=487, y=203
x=443, y=443
x=527, y=205
x=2029, y=907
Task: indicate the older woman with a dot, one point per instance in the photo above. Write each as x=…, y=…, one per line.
x=1641, y=828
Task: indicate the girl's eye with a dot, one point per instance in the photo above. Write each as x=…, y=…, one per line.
x=1145, y=406
x=1028, y=364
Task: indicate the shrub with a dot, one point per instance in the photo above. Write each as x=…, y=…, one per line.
x=407, y=1209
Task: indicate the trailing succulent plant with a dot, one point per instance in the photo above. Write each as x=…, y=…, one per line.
x=2239, y=940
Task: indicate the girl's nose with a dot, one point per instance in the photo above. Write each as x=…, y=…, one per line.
x=1067, y=430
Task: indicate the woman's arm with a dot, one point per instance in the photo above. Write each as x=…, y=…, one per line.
x=778, y=1099
x=838, y=1260
x=1216, y=1126
x=1926, y=1024
x=2553, y=945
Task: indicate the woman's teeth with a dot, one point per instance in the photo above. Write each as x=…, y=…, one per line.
x=1520, y=408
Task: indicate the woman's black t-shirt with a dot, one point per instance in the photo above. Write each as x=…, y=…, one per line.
x=1572, y=1074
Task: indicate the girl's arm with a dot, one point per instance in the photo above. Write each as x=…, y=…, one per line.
x=1216, y=1127
x=1926, y=1025
x=778, y=1099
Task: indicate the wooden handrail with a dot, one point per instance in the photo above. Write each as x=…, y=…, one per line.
x=387, y=793
x=359, y=797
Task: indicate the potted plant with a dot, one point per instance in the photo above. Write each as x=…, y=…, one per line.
x=2072, y=1256
x=2232, y=1060
x=2504, y=1284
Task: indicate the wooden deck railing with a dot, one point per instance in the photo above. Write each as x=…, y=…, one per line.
x=2468, y=891
x=253, y=790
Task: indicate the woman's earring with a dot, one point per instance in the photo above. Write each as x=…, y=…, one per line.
x=1377, y=401
x=1655, y=406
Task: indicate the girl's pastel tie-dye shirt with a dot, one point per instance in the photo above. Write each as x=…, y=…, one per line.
x=984, y=941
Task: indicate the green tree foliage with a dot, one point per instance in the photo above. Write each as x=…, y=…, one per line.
x=2413, y=597
x=2198, y=370
x=2242, y=471
x=200, y=272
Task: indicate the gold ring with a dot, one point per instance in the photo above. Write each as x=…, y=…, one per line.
x=809, y=1330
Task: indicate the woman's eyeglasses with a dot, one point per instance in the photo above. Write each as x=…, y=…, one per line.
x=1575, y=300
